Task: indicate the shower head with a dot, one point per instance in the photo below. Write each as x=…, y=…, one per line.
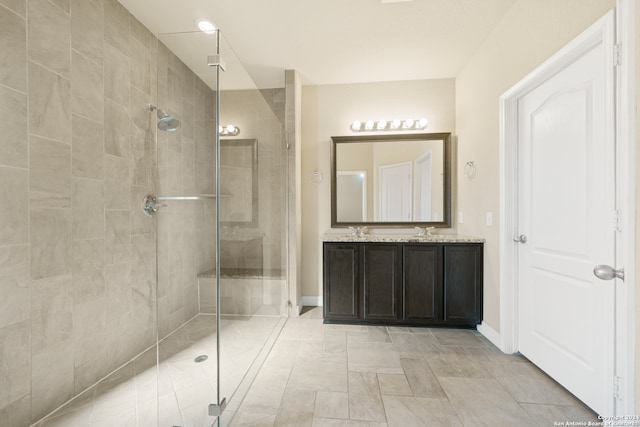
x=165, y=121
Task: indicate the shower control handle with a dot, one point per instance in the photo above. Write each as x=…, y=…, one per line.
x=150, y=205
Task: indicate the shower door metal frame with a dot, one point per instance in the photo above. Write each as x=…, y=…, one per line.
x=217, y=408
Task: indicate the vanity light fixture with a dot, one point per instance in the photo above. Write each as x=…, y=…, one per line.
x=206, y=26
x=385, y=125
x=228, y=130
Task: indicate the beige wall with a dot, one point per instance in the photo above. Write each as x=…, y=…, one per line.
x=328, y=111
x=186, y=230
x=529, y=34
x=77, y=256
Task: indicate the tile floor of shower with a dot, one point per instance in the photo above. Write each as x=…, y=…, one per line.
x=253, y=303
x=178, y=390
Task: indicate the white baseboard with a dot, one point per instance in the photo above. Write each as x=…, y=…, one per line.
x=490, y=334
x=311, y=301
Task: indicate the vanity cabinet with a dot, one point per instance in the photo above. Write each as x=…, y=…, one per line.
x=403, y=283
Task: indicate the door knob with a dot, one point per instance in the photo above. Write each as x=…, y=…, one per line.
x=606, y=272
x=520, y=239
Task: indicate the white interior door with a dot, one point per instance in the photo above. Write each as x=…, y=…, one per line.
x=422, y=188
x=395, y=192
x=351, y=196
x=566, y=206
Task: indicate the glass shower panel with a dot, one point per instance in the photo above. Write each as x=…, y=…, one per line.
x=253, y=291
x=185, y=204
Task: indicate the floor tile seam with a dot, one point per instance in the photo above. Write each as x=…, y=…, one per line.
x=364, y=394
x=384, y=409
x=575, y=401
x=501, y=386
x=457, y=411
x=458, y=417
x=529, y=416
x=470, y=359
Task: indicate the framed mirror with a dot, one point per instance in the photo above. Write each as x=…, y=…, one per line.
x=401, y=180
x=239, y=182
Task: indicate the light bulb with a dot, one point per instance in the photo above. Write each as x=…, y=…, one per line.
x=220, y=129
x=368, y=125
x=356, y=125
x=382, y=124
x=231, y=128
x=206, y=26
x=423, y=123
x=395, y=124
x=408, y=124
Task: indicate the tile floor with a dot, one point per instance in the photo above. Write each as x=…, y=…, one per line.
x=338, y=375
x=325, y=375
x=129, y=396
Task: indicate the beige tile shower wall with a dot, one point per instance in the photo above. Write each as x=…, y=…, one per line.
x=248, y=110
x=77, y=153
x=186, y=229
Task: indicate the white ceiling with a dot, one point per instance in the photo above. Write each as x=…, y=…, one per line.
x=335, y=41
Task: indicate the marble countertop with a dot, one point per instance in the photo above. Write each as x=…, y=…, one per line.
x=402, y=238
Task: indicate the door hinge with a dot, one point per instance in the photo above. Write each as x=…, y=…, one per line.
x=617, y=388
x=616, y=220
x=216, y=410
x=616, y=55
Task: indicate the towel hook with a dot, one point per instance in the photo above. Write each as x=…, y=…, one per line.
x=470, y=170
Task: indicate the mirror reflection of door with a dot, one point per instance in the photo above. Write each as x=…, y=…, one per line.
x=395, y=192
x=422, y=188
x=352, y=195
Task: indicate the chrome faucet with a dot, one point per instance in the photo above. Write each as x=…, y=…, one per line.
x=426, y=231
x=358, y=231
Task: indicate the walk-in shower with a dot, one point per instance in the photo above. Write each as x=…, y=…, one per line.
x=165, y=121
x=174, y=305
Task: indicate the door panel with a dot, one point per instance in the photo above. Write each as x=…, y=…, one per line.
x=422, y=282
x=566, y=206
x=341, y=293
x=381, y=282
x=395, y=192
x=463, y=284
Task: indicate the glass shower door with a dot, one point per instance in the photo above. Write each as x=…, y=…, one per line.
x=253, y=289
x=220, y=205
x=185, y=205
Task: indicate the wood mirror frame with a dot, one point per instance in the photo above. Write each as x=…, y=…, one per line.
x=399, y=139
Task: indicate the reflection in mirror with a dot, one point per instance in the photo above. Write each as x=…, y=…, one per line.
x=391, y=180
x=239, y=182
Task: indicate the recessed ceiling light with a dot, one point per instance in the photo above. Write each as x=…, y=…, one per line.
x=206, y=26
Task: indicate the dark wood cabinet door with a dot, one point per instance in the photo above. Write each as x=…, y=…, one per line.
x=381, y=279
x=463, y=284
x=341, y=282
x=422, y=283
